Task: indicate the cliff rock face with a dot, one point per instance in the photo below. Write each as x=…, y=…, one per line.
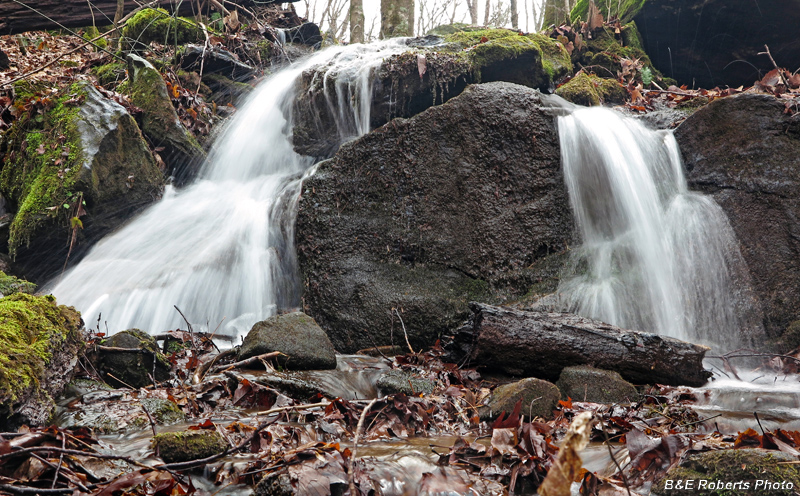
x=708, y=43
x=414, y=220
x=745, y=152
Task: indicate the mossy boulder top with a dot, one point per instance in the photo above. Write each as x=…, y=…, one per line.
x=590, y=90
x=175, y=447
x=294, y=334
x=539, y=398
x=39, y=346
x=132, y=368
x=81, y=163
x=157, y=25
x=402, y=89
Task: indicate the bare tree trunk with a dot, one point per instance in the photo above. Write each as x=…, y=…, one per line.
x=356, y=21
x=486, y=14
x=514, y=15
x=472, y=5
x=118, y=15
x=397, y=18
x=528, y=16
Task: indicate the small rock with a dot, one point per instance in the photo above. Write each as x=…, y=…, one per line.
x=584, y=383
x=753, y=467
x=538, y=396
x=131, y=368
x=116, y=411
x=294, y=334
x=400, y=381
x=185, y=446
x=276, y=484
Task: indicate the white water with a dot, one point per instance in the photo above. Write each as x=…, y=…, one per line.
x=655, y=256
x=222, y=248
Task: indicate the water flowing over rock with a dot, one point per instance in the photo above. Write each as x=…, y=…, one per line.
x=423, y=215
x=655, y=257
x=744, y=151
x=222, y=248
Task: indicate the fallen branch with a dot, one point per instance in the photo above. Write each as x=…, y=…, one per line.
x=245, y=363
x=780, y=71
x=360, y=426
x=404, y=331
x=203, y=369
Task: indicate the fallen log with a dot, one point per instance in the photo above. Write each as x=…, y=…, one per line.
x=539, y=344
x=18, y=16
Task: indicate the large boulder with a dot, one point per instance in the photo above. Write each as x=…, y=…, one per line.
x=73, y=169
x=408, y=224
x=707, y=43
x=297, y=336
x=40, y=343
x=744, y=151
x=584, y=383
x=131, y=358
x=182, y=153
x=431, y=72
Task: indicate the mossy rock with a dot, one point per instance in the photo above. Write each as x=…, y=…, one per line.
x=539, y=398
x=116, y=411
x=400, y=381
x=90, y=33
x=590, y=90
x=157, y=25
x=456, y=27
x=176, y=447
x=709, y=473
x=533, y=60
x=294, y=334
x=584, y=383
x=133, y=368
x=83, y=152
x=148, y=91
x=110, y=74
x=224, y=90
x=39, y=345
x=10, y=285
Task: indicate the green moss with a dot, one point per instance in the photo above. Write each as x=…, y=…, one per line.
x=157, y=25
x=10, y=285
x=590, y=90
x=163, y=411
x=189, y=445
x=537, y=60
x=109, y=74
x=91, y=33
x=38, y=177
x=625, y=10
x=31, y=327
x=457, y=27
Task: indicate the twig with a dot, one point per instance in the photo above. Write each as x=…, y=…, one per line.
x=307, y=406
x=203, y=369
x=60, y=458
x=120, y=381
x=614, y=459
x=249, y=361
x=152, y=423
x=35, y=490
x=188, y=325
x=758, y=420
x=404, y=331
x=202, y=63
x=351, y=474
x=780, y=72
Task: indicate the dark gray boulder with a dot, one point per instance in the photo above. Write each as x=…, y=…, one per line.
x=408, y=224
x=744, y=151
x=295, y=335
x=132, y=368
x=583, y=383
x=216, y=60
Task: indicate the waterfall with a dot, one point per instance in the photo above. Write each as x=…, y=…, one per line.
x=655, y=256
x=222, y=248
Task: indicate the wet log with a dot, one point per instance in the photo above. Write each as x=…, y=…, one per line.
x=538, y=344
x=15, y=17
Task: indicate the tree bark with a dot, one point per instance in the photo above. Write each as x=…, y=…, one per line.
x=514, y=15
x=397, y=18
x=472, y=5
x=356, y=21
x=542, y=344
x=486, y=13
x=16, y=18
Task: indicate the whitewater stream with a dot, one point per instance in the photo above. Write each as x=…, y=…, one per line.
x=222, y=249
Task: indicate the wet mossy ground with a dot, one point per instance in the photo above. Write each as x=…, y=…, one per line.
x=590, y=90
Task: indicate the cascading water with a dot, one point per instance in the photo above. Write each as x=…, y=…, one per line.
x=222, y=248
x=655, y=256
